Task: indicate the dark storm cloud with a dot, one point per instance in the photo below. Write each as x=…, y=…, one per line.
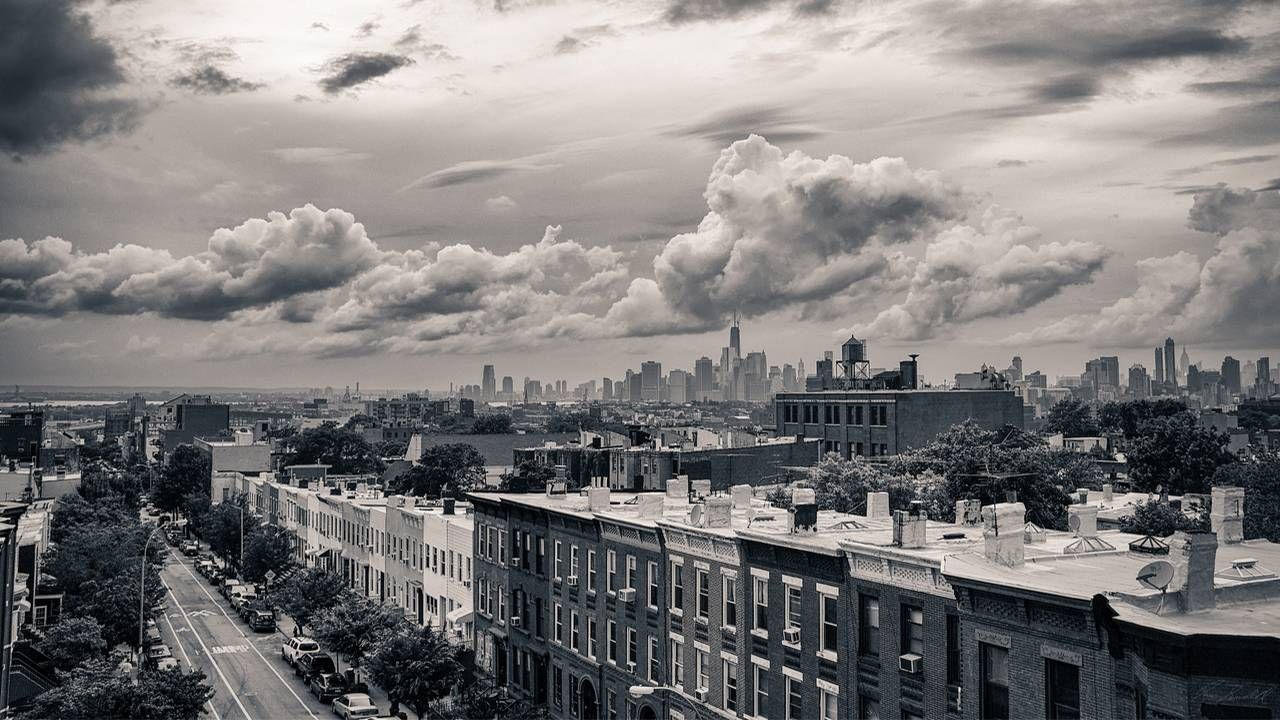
x=366, y=28
x=685, y=11
x=412, y=41
x=776, y=123
x=1219, y=164
x=212, y=80
x=1245, y=125
x=1266, y=81
x=348, y=71
x=583, y=38
x=1273, y=184
x=54, y=73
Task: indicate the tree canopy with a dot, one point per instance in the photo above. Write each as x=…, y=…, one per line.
x=528, y=476
x=842, y=485
x=1260, y=477
x=354, y=625
x=345, y=451
x=186, y=472
x=71, y=641
x=457, y=467
x=495, y=424
x=1126, y=416
x=1161, y=520
x=1072, y=418
x=98, y=689
x=1177, y=454
x=307, y=592
x=222, y=525
x=265, y=549
x=415, y=666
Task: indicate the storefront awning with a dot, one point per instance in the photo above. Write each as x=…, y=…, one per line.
x=459, y=615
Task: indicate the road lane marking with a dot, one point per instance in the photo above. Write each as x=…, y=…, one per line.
x=178, y=641
x=287, y=686
x=225, y=649
x=199, y=639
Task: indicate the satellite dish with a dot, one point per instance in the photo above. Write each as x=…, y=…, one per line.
x=1073, y=522
x=1156, y=575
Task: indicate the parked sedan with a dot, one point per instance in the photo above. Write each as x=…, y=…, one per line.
x=327, y=686
x=354, y=705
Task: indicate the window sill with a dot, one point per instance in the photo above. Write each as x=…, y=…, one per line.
x=790, y=645
x=827, y=655
x=676, y=612
x=702, y=620
x=760, y=633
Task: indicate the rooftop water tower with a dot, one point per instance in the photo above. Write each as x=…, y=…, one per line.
x=855, y=363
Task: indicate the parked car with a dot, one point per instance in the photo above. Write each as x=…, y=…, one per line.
x=262, y=621
x=240, y=595
x=190, y=547
x=327, y=685
x=215, y=577
x=295, y=647
x=316, y=663
x=354, y=705
x=171, y=663
x=157, y=652
x=227, y=584
x=153, y=636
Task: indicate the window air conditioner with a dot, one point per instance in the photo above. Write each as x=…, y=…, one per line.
x=791, y=635
x=910, y=663
x=627, y=595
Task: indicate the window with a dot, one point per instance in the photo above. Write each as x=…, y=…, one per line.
x=558, y=562
x=1062, y=691
x=994, y=677
x=631, y=572
x=611, y=705
x=869, y=627
x=633, y=649
x=729, y=670
x=793, y=606
x=795, y=701
x=830, y=623
x=953, y=649
x=762, y=691
x=502, y=604
x=573, y=560
x=704, y=673
x=612, y=629
x=729, y=611
x=828, y=703
x=677, y=585
x=912, y=630
x=704, y=594
x=826, y=413
x=655, y=665
x=760, y=596
x=612, y=559
x=654, y=592
x=557, y=687
x=558, y=621
x=591, y=571
x=592, y=641
x=868, y=708
x=573, y=631
x=677, y=663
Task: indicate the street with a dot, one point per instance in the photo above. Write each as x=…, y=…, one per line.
x=250, y=679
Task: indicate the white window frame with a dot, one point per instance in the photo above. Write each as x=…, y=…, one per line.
x=729, y=671
x=611, y=563
x=758, y=707
x=558, y=561
x=655, y=593
x=728, y=596
x=557, y=618
x=827, y=593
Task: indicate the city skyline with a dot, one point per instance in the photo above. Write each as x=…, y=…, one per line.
x=386, y=190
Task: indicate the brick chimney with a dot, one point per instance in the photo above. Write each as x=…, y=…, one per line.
x=804, y=510
x=877, y=504
x=1003, y=530
x=1226, y=514
x=1107, y=493
x=969, y=512
x=909, y=526
x=1194, y=555
x=598, y=499
x=1086, y=523
x=719, y=512
x=741, y=496
x=678, y=489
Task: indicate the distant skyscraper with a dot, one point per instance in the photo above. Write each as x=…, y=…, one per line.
x=1139, y=382
x=606, y=390
x=1159, y=376
x=789, y=378
x=678, y=386
x=735, y=337
x=508, y=386
x=1170, y=364
x=488, y=385
x=704, y=378
x=1264, y=369
x=1111, y=364
x=650, y=381
x=1184, y=364
x=1231, y=374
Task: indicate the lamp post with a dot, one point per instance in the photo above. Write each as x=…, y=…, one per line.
x=639, y=691
x=142, y=591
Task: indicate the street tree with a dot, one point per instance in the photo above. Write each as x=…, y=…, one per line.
x=455, y=467
x=265, y=549
x=308, y=592
x=353, y=626
x=1260, y=477
x=415, y=666
x=222, y=529
x=1177, y=454
x=71, y=641
x=1125, y=416
x=1072, y=418
x=483, y=699
x=391, y=449
x=528, y=476
x=98, y=689
x=187, y=471
x=196, y=507
x=842, y=485
x=97, y=567
x=494, y=424
x=169, y=694
x=345, y=451
x=74, y=510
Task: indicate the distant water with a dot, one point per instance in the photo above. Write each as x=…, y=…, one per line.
x=59, y=403
x=497, y=449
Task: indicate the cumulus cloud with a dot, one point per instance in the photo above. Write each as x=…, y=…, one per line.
x=1225, y=298
x=788, y=229
x=57, y=78
x=353, y=69
x=995, y=270
x=256, y=264
x=212, y=80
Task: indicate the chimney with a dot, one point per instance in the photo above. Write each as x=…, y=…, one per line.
x=678, y=489
x=598, y=499
x=1193, y=556
x=969, y=512
x=1085, y=524
x=804, y=510
x=449, y=504
x=650, y=505
x=877, y=504
x=1226, y=514
x=701, y=488
x=1107, y=494
x=1082, y=496
x=719, y=512
x=909, y=526
x=562, y=474
x=1003, y=532
x=741, y=496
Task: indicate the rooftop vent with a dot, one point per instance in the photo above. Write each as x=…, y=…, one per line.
x=1033, y=533
x=1244, y=569
x=1083, y=521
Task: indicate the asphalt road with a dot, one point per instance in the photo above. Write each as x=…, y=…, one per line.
x=250, y=679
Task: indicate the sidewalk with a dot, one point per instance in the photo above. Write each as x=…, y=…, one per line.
x=285, y=627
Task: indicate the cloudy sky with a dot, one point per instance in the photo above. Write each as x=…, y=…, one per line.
x=285, y=194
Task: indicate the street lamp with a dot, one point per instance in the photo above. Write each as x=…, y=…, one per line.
x=142, y=590
x=639, y=691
